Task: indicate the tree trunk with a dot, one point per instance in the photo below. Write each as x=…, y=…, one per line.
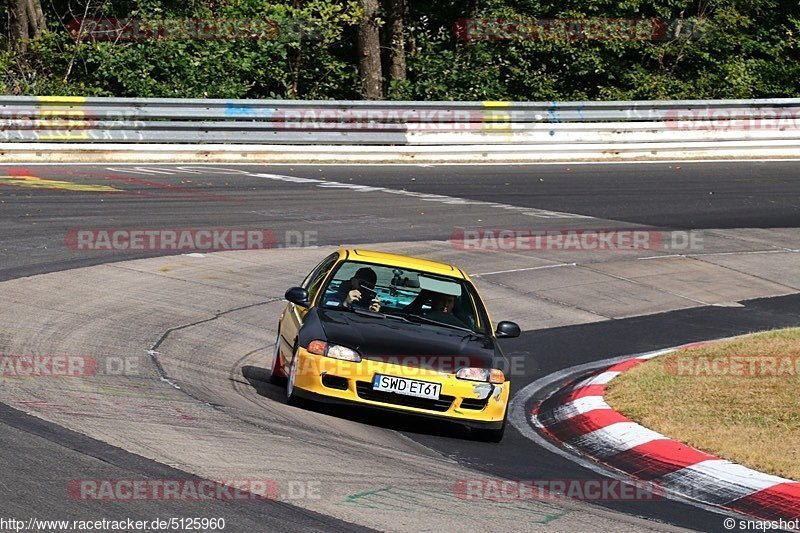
x=19, y=24
x=369, y=52
x=35, y=17
x=298, y=56
x=26, y=20
x=397, y=53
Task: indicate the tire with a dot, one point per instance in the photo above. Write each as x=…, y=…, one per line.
x=277, y=377
x=291, y=397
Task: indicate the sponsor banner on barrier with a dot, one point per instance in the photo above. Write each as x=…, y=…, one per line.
x=738, y=366
x=47, y=119
x=583, y=240
x=61, y=122
x=501, y=490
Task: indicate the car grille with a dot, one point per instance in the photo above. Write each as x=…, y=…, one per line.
x=474, y=403
x=334, y=382
x=365, y=392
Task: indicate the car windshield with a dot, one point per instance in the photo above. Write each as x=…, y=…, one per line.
x=417, y=296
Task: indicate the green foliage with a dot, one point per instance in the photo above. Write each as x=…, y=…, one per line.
x=739, y=49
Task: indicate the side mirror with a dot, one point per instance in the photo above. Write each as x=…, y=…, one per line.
x=506, y=329
x=298, y=296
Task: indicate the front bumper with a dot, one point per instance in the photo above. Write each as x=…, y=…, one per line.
x=329, y=380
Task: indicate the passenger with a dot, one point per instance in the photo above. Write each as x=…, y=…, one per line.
x=443, y=303
x=442, y=310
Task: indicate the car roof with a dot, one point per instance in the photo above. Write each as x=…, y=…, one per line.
x=402, y=261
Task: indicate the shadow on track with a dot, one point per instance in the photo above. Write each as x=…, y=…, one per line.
x=259, y=380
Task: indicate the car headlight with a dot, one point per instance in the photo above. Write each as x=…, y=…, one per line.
x=334, y=350
x=493, y=375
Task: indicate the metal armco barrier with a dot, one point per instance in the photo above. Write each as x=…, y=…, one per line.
x=487, y=130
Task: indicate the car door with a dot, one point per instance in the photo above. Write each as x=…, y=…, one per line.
x=292, y=318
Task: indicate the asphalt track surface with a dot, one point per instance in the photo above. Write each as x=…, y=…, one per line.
x=39, y=459
x=33, y=223
x=666, y=195
x=677, y=195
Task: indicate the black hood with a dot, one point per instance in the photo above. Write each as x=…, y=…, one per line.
x=379, y=338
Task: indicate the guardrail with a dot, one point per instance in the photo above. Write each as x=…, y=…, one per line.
x=766, y=127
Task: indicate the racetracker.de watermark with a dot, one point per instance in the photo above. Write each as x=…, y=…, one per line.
x=409, y=366
x=26, y=366
x=578, y=29
x=192, y=489
x=711, y=119
x=187, y=240
x=501, y=490
x=66, y=366
x=737, y=366
x=380, y=119
x=178, y=29
x=581, y=240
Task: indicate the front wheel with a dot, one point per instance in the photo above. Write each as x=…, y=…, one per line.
x=291, y=397
x=277, y=377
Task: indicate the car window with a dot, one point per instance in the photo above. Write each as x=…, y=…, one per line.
x=317, y=276
x=406, y=292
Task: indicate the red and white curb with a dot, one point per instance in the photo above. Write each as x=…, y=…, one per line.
x=578, y=418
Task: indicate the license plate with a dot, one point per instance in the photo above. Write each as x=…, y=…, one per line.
x=408, y=387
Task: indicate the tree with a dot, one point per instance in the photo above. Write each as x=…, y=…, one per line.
x=26, y=21
x=369, y=51
x=397, y=40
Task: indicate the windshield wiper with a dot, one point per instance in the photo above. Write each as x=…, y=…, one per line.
x=378, y=314
x=406, y=317
x=426, y=320
x=367, y=312
x=397, y=317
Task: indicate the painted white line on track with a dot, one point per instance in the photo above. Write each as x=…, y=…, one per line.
x=542, y=267
x=541, y=163
x=659, y=257
x=148, y=171
x=429, y=165
x=441, y=198
x=544, y=163
x=330, y=184
x=778, y=251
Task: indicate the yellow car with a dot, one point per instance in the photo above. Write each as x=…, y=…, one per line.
x=394, y=332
